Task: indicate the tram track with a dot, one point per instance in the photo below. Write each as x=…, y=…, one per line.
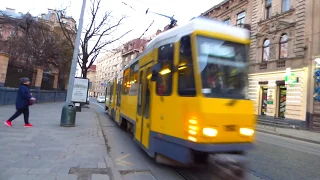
x=229, y=167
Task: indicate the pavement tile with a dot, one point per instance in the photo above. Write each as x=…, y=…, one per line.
x=45, y=177
x=67, y=177
x=99, y=177
x=48, y=150
x=17, y=170
x=22, y=177
x=39, y=171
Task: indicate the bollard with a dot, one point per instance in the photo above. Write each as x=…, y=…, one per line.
x=68, y=115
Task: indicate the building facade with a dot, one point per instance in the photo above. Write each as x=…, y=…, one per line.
x=132, y=49
x=11, y=70
x=278, y=60
x=91, y=75
x=108, y=67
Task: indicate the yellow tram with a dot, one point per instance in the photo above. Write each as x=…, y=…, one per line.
x=186, y=96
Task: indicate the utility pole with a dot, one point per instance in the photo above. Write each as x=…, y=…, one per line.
x=68, y=113
x=75, y=55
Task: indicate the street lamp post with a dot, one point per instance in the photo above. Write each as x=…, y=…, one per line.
x=75, y=55
x=68, y=113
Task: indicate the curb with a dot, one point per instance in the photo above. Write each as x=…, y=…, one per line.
x=289, y=136
x=115, y=174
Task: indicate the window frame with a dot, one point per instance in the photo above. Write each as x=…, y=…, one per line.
x=263, y=48
x=268, y=9
x=171, y=66
x=191, y=66
x=239, y=19
x=283, y=42
x=283, y=5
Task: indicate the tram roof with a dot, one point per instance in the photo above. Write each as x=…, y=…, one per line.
x=198, y=23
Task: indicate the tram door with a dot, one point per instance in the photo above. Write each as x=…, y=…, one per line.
x=143, y=111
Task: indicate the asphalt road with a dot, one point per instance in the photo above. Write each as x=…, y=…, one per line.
x=280, y=158
x=274, y=158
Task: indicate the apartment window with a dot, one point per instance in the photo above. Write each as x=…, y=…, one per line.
x=241, y=18
x=283, y=46
x=227, y=21
x=285, y=5
x=268, y=8
x=266, y=50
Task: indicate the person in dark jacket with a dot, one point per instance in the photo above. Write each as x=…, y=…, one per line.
x=22, y=103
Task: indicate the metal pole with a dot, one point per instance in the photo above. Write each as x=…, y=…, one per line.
x=75, y=55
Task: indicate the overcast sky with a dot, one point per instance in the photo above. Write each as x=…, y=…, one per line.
x=137, y=19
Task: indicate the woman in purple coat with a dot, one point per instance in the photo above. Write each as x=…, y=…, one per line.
x=22, y=103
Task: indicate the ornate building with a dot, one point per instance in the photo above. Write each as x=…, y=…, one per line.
x=278, y=58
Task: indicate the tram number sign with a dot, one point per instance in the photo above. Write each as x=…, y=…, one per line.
x=230, y=127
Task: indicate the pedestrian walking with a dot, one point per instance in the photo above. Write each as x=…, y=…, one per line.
x=23, y=101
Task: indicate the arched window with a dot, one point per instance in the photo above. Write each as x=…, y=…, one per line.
x=283, y=46
x=266, y=50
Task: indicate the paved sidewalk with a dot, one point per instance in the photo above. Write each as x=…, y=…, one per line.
x=302, y=135
x=50, y=152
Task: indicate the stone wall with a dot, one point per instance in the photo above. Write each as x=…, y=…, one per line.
x=8, y=96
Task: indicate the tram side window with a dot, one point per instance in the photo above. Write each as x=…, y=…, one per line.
x=126, y=82
x=148, y=91
x=164, y=81
x=140, y=93
x=119, y=91
x=186, y=82
x=133, y=79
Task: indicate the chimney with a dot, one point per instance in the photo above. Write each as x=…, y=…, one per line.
x=11, y=10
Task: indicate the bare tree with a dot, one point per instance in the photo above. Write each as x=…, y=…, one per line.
x=97, y=30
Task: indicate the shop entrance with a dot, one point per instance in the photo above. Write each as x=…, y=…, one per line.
x=282, y=101
x=264, y=97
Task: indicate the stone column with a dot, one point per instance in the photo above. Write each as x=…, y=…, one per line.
x=4, y=60
x=55, y=80
x=39, y=71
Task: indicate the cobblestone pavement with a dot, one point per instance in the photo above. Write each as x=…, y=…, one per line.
x=50, y=152
x=280, y=158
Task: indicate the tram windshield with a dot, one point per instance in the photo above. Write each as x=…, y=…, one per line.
x=223, y=68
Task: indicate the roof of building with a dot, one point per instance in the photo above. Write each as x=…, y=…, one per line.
x=198, y=23
x=11, y=14
x=92, y=68
x=214, y=7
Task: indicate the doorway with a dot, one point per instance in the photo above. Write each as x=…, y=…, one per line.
x=282, y=101
x=264, y=101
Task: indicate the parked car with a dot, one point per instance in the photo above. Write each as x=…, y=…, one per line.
x=101, y=99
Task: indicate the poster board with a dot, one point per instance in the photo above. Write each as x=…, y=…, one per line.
x=80, y=90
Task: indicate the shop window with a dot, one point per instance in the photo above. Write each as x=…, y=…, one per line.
x=285, y=5
x=268, y=8
x=264, y=101
x=165, y=59
x=282, y=101
x=266, y=50
x=283, y=46
x=186, y=82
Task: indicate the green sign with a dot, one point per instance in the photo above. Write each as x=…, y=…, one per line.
x=290, y=79
x=269, y=102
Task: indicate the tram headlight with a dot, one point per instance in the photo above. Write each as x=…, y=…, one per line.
x=246, y=131
x=210, y=132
